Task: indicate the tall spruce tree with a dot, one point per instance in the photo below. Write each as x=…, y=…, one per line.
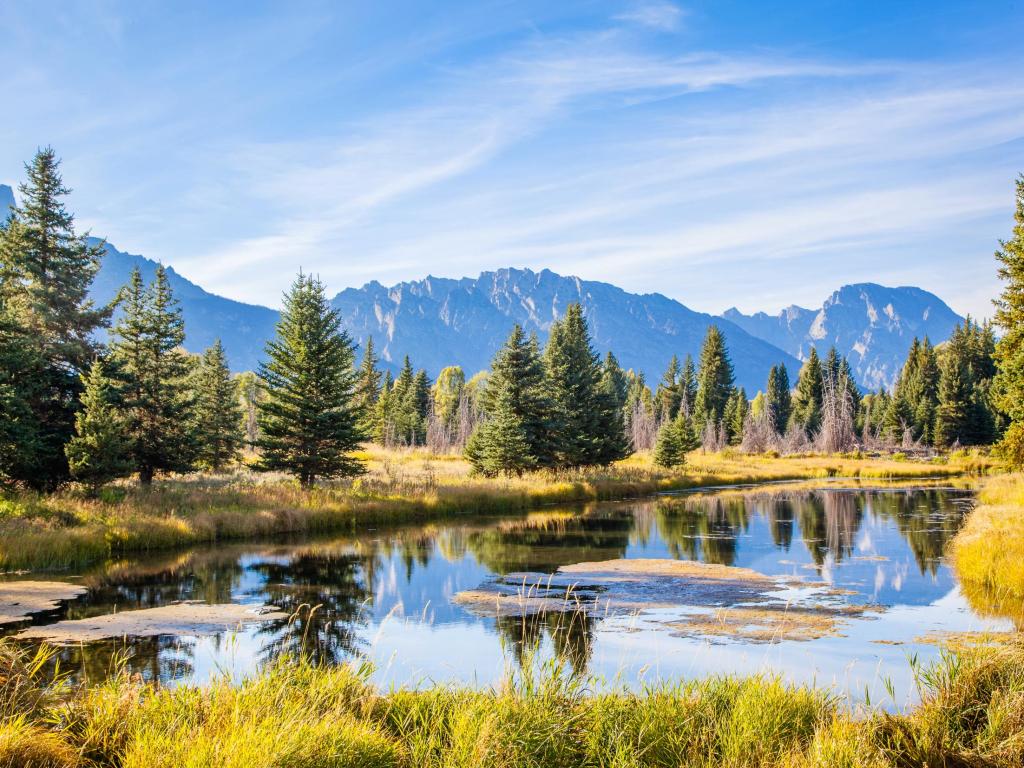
x=688, y=388
x=367, y=390
x=778, y=398
x=714, y=380
x=46, y=270
x=736, y=410
x=98, y=451
x=807, y=400
x=952, y=419
x=669, y=449
x=580, y=409
x=1009, y=381
x=22, y=374
x=153, y=372
x=309, y=420
x=516, y=435
x=668, y=394
x=218, y=413
x=614, y=380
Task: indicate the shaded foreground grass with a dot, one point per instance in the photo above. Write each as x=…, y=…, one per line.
x=66, y=529
x=988, y=552
x=298, y=715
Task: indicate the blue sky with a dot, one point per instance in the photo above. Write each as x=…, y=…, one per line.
x=722, y=153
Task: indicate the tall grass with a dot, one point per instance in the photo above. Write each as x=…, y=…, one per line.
x=988, y=552
x=66, y=529
x=299, y=715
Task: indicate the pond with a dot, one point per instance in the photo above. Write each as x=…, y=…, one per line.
x=834, y=585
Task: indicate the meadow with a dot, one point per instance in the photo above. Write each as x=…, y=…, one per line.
x=68, y=528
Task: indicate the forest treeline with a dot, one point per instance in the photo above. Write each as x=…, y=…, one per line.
x=93, y=393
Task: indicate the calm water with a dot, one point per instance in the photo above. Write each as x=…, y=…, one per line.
x=386, y=595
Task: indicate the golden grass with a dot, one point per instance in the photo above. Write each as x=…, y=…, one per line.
x=299, y=715
x=66, y=529
x=988, y=552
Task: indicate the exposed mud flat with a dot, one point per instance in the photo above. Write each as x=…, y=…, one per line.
x=19, y=600
x=714, y=601
x=185, y=618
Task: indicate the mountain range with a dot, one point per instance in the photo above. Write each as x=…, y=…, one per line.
x=443, y=321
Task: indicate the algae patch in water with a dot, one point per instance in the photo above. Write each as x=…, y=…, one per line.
x=185, y=618
x=707, y=600
x=21, y=599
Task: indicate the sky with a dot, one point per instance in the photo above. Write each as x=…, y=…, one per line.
x=722, y=153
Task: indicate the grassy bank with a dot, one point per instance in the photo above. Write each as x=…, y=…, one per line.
x=66, y=529
x=988, y=552
x=300, y=716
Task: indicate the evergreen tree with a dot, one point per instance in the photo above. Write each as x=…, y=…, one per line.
x=403, y=416
x=778, y=398
x=384, y=412
x=668, y=395
x=153, y=373
x=952, y=420
x=218, y=415
x=714, y=380
x=736, y=410
x=898, y=418
x=517, y=434
x=98, y=452
x=309, y=421
x=367, y=391
x=22, y=370
x=46, y=270
x=580, y=409
x=806, y=404
x=614, y=380
x=688, y=388
x=1009, y=381
x=416, y=408
x=669, y=451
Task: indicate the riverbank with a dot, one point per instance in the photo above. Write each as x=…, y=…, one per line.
x=299, y=715
x=66, y=529
x=988, y=552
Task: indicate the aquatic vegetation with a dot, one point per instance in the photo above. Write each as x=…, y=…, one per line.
x=66, y=529
x=296, y=713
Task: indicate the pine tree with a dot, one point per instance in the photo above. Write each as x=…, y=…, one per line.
x=714, y=380
x=688, y=388
x=98, y=452
x=581, y=411
x=217, y=413
x=669, y=451
x=516, y=435
x=416, y=408
x=22, y=372
x=367, y=390
x=384, y=412
x=1008, y=384
x=403, y=417
x=806, y=407
x=309, y=421
x=153, y=374
x=736, y=410
x=952, y=419
x=898, y=418
x=778, y=398
x=614, y=380
x=46, y=270
x=668, y=395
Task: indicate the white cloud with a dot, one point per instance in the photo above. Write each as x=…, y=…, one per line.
x=656, y=15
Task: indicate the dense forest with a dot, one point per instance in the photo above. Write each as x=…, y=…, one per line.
x=73, y=407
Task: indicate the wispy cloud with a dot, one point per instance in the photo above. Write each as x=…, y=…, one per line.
x=656, y=15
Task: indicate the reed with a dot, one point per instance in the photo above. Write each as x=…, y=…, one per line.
x=300, y=715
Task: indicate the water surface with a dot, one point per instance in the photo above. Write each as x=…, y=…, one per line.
x=386, y=595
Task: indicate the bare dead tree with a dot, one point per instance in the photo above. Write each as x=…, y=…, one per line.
x=641, y=427
x=759, y=432
x=837, y=433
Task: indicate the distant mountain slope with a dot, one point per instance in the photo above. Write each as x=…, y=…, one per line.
x=242, y=328
x=6, y=200
x=440, y=321
x=872, y=325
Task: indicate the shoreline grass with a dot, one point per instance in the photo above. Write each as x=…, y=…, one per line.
x=304, y=716
x=66, y=530
x=988, y=552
